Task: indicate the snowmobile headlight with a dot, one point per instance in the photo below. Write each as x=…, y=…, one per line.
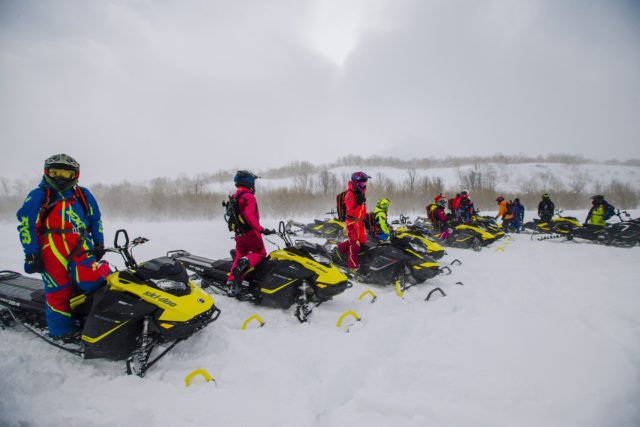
x=170, y=286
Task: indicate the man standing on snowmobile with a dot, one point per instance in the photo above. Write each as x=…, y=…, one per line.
x=61, y=233
x=504, y=212
x=546, y=208
x=380, y=227
x=250, y=250
x=356, y=210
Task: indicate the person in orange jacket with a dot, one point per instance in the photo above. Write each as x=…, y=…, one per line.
x=356, y=211
x=505, y=212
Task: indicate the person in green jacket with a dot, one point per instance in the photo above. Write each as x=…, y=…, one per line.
x=380, y=226
x=600, y=212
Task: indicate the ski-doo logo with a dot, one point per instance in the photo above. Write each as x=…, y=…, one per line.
x=196, y=268
x=8, y=301
x=159, y=298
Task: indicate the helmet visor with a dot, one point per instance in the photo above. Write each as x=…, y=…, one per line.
x=62, y=173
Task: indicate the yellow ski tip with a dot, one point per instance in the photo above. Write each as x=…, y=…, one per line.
x=207, y=377
x=347, y=314
x=250, y=318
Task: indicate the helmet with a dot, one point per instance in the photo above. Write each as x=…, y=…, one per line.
x=464, y=193
x=516, y=200
x=245, y=178
x=442, y=202
x=545, y=196
x=438, y=198
x=61, y=171
x=383, y=204
x=598, y=198
x=499, y=199
x=359, y=180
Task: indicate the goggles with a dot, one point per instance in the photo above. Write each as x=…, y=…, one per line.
x=61, y=173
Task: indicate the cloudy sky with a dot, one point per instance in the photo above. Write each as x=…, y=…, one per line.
x=137, y=89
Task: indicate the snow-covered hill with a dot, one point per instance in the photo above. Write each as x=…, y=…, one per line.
x=541, y=334
x=510, y=178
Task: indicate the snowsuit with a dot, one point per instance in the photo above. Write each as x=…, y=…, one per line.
x=503, y=211
x=598, y=215
x=440, y=222
x=546, y=208
x=61, y=237
x=465, y=210
x=249, y=244
x=381, y=227
x=518, y=215
x=354, y=224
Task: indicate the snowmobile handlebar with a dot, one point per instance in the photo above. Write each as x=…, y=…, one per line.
x=123, y=247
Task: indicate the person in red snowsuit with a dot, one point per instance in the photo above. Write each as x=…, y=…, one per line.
x=356, y=210
x=250, y=250
x=440, y=218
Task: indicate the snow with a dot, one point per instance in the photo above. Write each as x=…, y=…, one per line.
x=541, y=334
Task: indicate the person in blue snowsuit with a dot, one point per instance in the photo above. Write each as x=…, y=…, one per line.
x=58, y=223
x=518, y=215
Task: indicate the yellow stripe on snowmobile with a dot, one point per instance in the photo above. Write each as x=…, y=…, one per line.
x=485, y=234
x=78, y=300
x=426, y=265
x=329, y=276
x=273, y=291
x=417, y=255
x=109, y=332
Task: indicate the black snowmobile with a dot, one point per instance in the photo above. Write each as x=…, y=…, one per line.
x=392, y=262
x=300, y=274
x=558, y=225
x=147, y=308
x=625, y=233
x=463, y=236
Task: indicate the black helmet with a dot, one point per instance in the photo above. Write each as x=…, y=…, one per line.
x=245, y=178
x=61, y=171
x=598, y=198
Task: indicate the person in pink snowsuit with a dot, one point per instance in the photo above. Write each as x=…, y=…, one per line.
x=250, y=250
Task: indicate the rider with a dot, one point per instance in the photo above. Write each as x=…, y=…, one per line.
x=250, y=250
x=546, y=208
x=600, y=211
x=61, y=233
x=439, y=219
x=381, y=228
x=518, y=214
x=356, y=211
x=505, y=212
x=464, y=211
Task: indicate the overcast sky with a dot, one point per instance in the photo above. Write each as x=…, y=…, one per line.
x=137, y=89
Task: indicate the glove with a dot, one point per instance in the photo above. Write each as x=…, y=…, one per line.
x=98, y=251
x=267, y=232
x=33, y=263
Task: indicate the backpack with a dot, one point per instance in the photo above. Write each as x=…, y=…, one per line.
x=371, y=224
x=341, y=207
x=47, y=206
x=509, y=208
x=431, y=210
x=609, y=210
x=232, y=216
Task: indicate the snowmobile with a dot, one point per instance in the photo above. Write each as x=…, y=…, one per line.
x=146, y=308
x=407, y=239
x=301, y=273
x=625, y=233
x=328, y=228
x=388, y=262
x=558, y=225
x=463, y=236
x=489, y=224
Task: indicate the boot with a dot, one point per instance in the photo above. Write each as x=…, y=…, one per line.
x=238, y=272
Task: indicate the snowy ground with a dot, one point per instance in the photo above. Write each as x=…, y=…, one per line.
x=541, y=334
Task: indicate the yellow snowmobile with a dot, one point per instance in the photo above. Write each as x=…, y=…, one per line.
x=146, y=308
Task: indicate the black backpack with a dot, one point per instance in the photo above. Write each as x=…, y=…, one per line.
x=341, y=208
x=232, y=216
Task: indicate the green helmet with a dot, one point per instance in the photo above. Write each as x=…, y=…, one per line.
x=383, y=204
